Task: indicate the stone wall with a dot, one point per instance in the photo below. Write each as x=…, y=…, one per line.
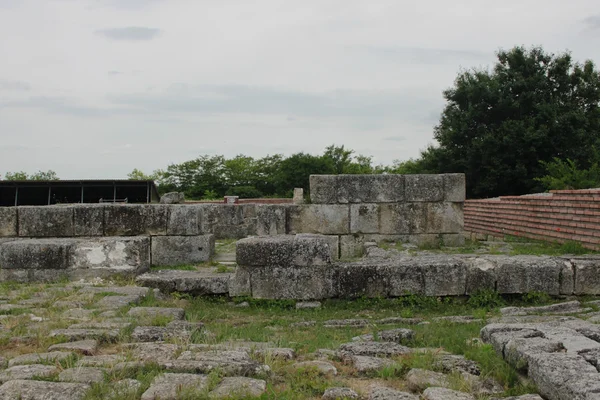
x=349, y=209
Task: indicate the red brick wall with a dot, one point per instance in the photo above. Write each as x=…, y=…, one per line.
x=560, y=216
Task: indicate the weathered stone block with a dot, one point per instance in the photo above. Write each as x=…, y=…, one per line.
x=587, y=276
x=300, y=283
x=88, y=220
x=108, y=255
x=352, y=246
x=36, y=254
x=326, y=219
x=270, y=219
x=444, y=218
x=454, y=187
x=34, y=275
x=45, y=221
x=453, y=239
x=364, y=218
x=393, y=219
x=124, y=220
x=361, y=279
x=370, y=188
x=229, y=221
x=184, y=220
x=323, y=189
x=178, y=250
x=404, y=278
x=172, y=198
x=239, y=282
x=421, y=187
x=204, y=281
x=156, y=217
x=524, y=274
x=444, y=276
x=8, y=221
x=285, y=250
x=567, y=278
x=481, y=275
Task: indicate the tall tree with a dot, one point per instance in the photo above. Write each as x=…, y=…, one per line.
x=37, y=176
x=498, y=125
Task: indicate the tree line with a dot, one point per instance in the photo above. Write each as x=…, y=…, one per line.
x=530, y=123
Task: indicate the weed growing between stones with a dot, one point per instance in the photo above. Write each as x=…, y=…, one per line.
x=272, y=322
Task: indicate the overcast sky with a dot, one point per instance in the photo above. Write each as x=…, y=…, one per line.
x=95, y=88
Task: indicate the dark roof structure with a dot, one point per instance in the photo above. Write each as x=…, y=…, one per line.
x=30, y=193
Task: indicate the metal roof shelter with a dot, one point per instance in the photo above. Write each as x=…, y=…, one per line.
x=36, y=193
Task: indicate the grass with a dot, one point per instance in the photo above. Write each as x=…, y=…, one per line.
x=269, y=321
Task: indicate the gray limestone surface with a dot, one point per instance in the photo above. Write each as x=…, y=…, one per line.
x=34, y=390
x=179, y=250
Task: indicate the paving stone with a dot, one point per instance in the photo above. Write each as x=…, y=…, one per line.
x=438, y=393
x=238, y=387
x=120, y=290
x=153, y=351
x=73, y=335
x=523, y=397
x=454, y=363
x=339, y=393
x=105, y=360
x=418, y=379
x=77, y=314
x=231, y=363
x=559, y=308
x=170, y=386
x=199, y=283
x=114, y=302
x=150, y=333
x=39, y=358
x=303, y=324
x=457, y=319
x=343, y=323
x=27, y=372
x=280, y=353
x=68, y=304
x=40, y=390
x=385, y=393
x=366, y=364
x=323, y=367
x=373, y=349
x=152, y=312
x=399, y=320
x=302, y=305
x=82, y=375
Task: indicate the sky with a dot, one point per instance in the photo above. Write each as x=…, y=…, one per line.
x=96, y=88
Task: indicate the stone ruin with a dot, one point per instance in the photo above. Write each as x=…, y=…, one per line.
x=291, y=251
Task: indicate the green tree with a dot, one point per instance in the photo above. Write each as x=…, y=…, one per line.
x=294, y=172
x=498, y=125
x=37, y=176
x=565, y=174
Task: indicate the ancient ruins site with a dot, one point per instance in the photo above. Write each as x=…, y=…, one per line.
x=372, y=290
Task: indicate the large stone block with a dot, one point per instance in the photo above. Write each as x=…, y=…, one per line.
x=587, y=276
x=88, y=220
x=361, y=279
x=444, y=217
x=135, y=219
x=229, y=221
x=370, y=188
x=34, y=275
x=101, y=257
x=36, y=254
x=184, y=220
x=156, y=217
x=326, y=219
x=300, y=283
x=270, y=219
x=8, y=221
x=567, y=278
x=285, y=250
x=444, y=276
x=393, y=219
x=454, y=187
x=481, y=275
x=178, y=250
x=364, y=218
x=323, y=189
x=352, y=246
x=45, y=221
x=525, y=274
x=424, y=187
x=239, y=282
x=405, y=278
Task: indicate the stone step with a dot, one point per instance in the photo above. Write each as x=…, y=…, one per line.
x=203, y=282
